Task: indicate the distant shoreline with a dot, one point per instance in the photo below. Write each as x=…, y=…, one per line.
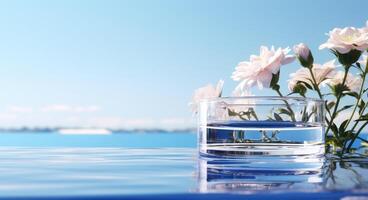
x=114, y=131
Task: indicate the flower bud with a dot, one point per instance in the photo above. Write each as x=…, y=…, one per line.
x=304, y=55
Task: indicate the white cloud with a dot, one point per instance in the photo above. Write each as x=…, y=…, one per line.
x=119, y=122
x=141, y=123
x=69, y=108
x=85, y=116
x=56, y=108
x=20, y=109
x=86, y=108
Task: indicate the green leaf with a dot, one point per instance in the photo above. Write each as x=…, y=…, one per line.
x=344, y=108
x=365, y=90
x=277, y=117
x=361, y=105
x=334, y=128
x=353, y=94
x=349, y=134
x=305, y=117
x=342, y=126
x=339, y=89
x=253, y=113
x=231, y=113
x=246, y=113
x=363, y=118
x=284, y=111
x=330, y=105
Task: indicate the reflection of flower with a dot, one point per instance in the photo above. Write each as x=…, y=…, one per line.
x=352, y=82
x=259, y=69
x=346, y=39
x=320, y=72
x=206, y=92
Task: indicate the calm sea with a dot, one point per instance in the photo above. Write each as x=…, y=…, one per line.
x=125, y=164
x=129, y=140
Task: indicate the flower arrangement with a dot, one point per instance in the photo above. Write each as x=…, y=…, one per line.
x=341, y=85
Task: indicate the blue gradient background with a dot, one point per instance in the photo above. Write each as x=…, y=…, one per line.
x=139, y=61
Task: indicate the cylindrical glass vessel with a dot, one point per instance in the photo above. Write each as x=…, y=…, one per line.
x=243, y=126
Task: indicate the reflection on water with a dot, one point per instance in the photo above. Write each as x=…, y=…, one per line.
x=120, y=171
x=301, y=173
x=261, y=173
x=348, y=173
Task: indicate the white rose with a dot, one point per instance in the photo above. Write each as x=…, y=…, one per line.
x=259, y=69
x=346, y=39
x=352, y=82
x=321, y=74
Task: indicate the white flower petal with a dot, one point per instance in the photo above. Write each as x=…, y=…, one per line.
x=258, y=71
x=206, y=92
x=346, y=39
x=352, y=82
x=287, y=60
x=320, y=72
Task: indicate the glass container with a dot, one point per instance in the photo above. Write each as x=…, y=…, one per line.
x=266, y=125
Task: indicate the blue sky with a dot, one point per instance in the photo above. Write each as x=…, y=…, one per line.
x=136, y=63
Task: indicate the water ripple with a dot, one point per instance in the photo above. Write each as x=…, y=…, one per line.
x=117, y=171
x=89, y=171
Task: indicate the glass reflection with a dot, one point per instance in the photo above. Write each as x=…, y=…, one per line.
x=261, y=173
x=285, y=173
x=347, y=173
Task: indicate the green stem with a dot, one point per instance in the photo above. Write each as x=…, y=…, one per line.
x=355, y=125
x=360, y=115
x=360, y=112
x=355, y=136
x=316, y=88
x=334, y=114
x=292, y=115
x=358, y=100
x=315, y=84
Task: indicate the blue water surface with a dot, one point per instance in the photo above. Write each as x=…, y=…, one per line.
x=163, y=166
x=132, y=140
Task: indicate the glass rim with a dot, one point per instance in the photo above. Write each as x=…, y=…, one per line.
x=286, y=98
